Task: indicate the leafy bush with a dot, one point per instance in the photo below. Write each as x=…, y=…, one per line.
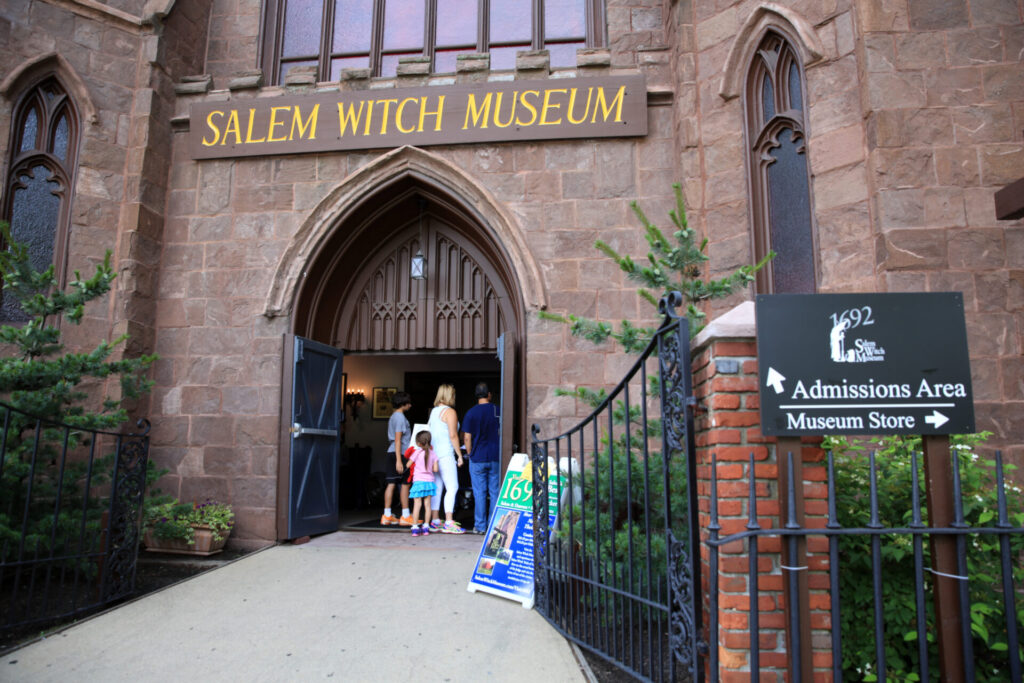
x=895, y=488
x=174, y=519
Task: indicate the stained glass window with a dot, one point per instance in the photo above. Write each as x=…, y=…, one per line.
x=780, y=184
x=35, y=203
x=376, y=34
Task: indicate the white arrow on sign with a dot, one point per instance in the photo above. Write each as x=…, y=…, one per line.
x=936, y=419
x=775, y=380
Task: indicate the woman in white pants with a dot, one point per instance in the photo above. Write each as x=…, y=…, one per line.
x=444, y=437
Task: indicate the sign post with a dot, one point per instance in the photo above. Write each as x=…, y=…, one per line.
x=877, y=364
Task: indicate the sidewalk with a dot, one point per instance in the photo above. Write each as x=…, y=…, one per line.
x=348, y=606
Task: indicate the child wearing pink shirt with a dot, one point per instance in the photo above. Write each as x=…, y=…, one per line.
x=423, y=464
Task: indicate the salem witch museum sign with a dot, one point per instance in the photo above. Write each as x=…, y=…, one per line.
x=613, y=106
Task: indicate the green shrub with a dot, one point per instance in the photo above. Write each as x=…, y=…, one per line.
x=895, y=488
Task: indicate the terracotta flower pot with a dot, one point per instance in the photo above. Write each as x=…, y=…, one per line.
x=204, y=544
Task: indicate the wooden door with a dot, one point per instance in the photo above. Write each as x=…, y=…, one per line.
x=310, y=471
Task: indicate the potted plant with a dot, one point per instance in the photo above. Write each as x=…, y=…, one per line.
x=188, y=528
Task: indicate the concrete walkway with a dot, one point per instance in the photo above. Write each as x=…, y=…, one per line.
x=347, y=606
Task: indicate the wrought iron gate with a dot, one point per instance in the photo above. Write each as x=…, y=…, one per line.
x=616, y=565
x=70, y=514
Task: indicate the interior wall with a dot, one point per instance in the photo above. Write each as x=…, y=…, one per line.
x=366, y=371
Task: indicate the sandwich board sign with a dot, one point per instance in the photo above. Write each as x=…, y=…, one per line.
x=894, y=363
x=504, y=566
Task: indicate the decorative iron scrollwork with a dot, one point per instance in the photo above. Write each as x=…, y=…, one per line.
x=541, y=526
x=126, y=515
x=682, y=626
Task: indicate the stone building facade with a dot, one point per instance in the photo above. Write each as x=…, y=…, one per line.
x=911, y=117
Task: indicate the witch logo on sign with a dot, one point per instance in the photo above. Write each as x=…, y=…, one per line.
x=862, y=350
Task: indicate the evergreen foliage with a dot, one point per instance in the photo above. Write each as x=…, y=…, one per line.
x=48, y=475
x=676, y=264
x=630, y=510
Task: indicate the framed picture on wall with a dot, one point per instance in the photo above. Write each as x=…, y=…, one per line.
x=382, y=402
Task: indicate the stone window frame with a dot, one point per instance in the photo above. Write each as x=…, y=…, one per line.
x=52, y=101
x=761, y=136
x=272, y=34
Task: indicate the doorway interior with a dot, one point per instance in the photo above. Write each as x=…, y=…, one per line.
x=364, y=440
x=417, y=292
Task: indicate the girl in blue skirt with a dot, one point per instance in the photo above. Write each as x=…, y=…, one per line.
x=423, y=464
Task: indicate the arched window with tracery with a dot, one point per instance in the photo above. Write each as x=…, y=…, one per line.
x=43, y=149
x=776, y=131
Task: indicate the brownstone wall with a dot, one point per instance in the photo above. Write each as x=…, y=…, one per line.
x=944, y=106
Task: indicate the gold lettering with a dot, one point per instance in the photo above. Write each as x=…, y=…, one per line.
x=248, y=129
x=607, y=108
x=547, y=105
x=274, y=122
x=511, y=112
x=398, y=116
x=369, y=117
x=384, y=119
x=479, y=114
x=351, y=119
x=531, y=107
x=310, y=124
x=232, y=127
x=439, y=112
x=572, y=105
x=215, y=129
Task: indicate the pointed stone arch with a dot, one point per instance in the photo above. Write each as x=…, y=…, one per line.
x=30, y=71
x=427, y=170
x=767, y=16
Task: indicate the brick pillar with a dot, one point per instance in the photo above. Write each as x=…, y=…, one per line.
x=728, y=426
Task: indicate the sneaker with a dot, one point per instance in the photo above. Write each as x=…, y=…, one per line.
x=388, y=520
x=417, y=531
x=424, y=531
x=436, y=524
x=405, y=521
x=452, y=528
x=479, y=532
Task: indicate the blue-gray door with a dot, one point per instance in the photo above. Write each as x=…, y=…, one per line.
x=315, y=439
x=506, y=392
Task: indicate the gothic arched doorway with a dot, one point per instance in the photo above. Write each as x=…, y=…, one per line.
x=358, y=294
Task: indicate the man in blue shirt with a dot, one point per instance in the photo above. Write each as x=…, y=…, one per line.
x=481, y=435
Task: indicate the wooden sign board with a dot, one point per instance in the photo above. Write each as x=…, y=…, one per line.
x=613, y=106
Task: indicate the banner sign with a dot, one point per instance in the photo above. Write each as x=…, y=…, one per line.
x=863, y=364
x=610, y=106
x=505, y=564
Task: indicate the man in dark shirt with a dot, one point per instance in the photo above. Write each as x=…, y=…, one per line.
x=481, y=435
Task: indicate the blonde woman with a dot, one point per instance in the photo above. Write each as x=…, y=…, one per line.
x=444, y=435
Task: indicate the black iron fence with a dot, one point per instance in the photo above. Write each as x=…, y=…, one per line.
x=885, y=585
x=617, y=571
x=70, y=506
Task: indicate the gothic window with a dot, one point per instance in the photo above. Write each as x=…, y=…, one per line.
x=44, y=143
x=779, y=182
x=375, y=34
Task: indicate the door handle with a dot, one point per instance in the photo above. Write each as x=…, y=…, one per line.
x=299, y=430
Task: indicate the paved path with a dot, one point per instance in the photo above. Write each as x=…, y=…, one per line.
x=347, y=606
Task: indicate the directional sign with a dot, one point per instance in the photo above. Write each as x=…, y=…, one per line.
x=863, y=364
